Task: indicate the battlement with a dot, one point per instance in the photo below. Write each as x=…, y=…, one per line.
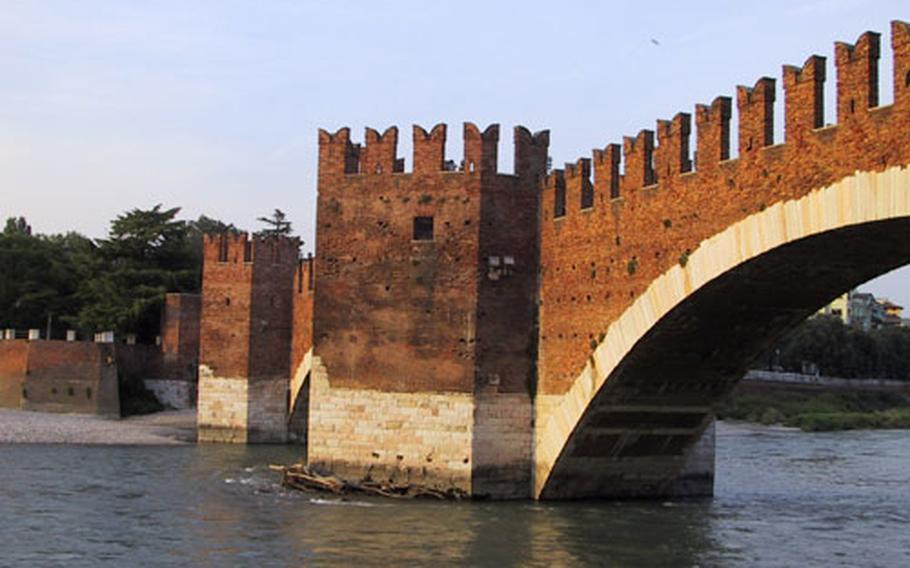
x=857, y=75
x=305, y=277
x=653, y=217
x=378, y=155
x=645, y=164
x=713, y=123
x=243, y=248
x=804, y=98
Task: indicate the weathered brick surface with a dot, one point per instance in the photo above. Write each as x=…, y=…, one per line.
x=423, y=437
x=180, y=337
x=245, y=337
x=596, y=261
x=58, y=376
x=304, y=284
x=416, y=329
x=13, y=366
x=399, y=314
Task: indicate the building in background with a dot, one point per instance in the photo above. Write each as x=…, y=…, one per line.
x=865, y=311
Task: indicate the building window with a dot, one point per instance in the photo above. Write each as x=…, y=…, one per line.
x=423, y=228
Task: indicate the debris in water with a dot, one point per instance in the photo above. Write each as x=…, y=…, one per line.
x=303, y=478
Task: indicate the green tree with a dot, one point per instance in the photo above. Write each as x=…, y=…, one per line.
x=147, y=254
x=839, y=350
x=39, y=276
x=17, y=225
x=277, y=225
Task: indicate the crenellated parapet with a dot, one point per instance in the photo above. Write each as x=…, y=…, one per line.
x=638, y=155
x=579, y=189
x=305, y=277
x=606, y=170
x=900, y=47
x=555, y=186
x=857, y=75
x=378, y=156
x=756, y=116
x=654, y=202
x=672, y=155
x=804, y=98
x=337, y=155
x=429, y=149
x=380, y=153
x=531, y=152
x=641, y=161
x=713, y=123
x=246, y=249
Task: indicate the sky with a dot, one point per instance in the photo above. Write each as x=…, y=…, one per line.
x=214, y=105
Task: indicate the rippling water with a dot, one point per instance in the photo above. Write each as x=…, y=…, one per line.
x=784, y=498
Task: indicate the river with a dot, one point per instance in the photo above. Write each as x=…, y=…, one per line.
x=783, y=498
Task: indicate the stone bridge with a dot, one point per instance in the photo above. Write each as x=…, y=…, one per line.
x=556, y=336
x=660, y=286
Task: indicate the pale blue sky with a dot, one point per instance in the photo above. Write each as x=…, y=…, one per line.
x=214, y=105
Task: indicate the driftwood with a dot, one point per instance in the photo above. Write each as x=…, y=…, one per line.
x=302, y=478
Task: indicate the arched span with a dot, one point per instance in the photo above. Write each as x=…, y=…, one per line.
x=646, y=395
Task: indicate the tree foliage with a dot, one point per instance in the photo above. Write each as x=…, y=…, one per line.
x=277, y=225
x=839, y=350
x=117, y=283
x=39, y=275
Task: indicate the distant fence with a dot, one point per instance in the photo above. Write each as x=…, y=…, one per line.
x=814, y=380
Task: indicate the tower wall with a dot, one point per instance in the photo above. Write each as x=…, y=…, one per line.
x=245, y=338
x=424, y=309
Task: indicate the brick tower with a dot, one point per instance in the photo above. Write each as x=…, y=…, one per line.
x=424, y=311
x=245, y=337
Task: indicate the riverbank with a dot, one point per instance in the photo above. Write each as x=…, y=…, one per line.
x=818, y=408
x=161, y=428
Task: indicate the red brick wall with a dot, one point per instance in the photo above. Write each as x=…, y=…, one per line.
x=58, y=376
x=180, y=336
x=13, y=364
x=507, y=300
x=247, y=283
x=272, y=311
x=304, y=282
x=397, y=314
x=596, y=262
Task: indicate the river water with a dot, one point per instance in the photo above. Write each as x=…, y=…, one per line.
x=783, y=498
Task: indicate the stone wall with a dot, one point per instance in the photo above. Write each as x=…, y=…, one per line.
x=245, y=338
x=221, y=408
x=478, y=443
x=426, y=295
x=58, y=376
x=421, y=310
x=501, y=445
x=13, y=368
x=422, y=437
x=175, y=386
x=302, y=338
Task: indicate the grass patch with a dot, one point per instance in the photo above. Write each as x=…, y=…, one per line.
x=814, y=411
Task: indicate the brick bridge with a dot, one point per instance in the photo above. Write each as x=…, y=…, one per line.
x=652, y=289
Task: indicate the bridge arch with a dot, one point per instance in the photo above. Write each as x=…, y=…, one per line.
x=630, y=419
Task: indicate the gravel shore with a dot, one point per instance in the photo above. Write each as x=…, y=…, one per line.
x=161, y=428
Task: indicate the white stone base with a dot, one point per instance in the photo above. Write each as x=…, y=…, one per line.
x=479, y=443
x=238, y=410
